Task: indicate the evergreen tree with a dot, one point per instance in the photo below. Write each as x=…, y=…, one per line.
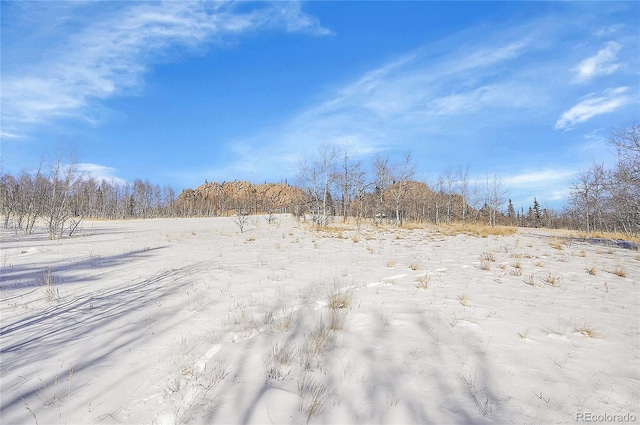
x=511, y=213
x=537, y=213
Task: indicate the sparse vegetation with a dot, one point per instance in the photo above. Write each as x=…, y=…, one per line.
x=241, y=219
x=486, y=259
x=586, y=330
x=312, y=396
x=339, y=298
x=556, y=244
x=552, y=279
x=47, y=280
x=620, y=271
x=278, y=361
x=530, y=280
x=422, y=282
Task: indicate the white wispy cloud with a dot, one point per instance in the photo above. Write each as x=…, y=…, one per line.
x=608, y=30
x=99, y=172
x=602, y=63
x=405, y=101
x=592, y=105
x=109, y=57
x=538, y=177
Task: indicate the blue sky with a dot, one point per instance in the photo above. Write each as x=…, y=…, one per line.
x=182, y=92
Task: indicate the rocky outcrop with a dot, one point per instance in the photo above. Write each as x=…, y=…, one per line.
x=215, y=199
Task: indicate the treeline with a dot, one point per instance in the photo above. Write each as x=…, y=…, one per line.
x=600, y=199
x=61, y=198
x=332, y=186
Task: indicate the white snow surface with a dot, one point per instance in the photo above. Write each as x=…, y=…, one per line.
x=169, y=321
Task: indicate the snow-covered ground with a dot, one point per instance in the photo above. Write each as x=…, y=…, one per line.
x=190, y=321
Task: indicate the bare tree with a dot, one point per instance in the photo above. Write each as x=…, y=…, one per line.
x=625, y=185
x=383, y=180
x=58, y=213
x=9, y=197
x=241, y=219
x=318, y=177
x=463, y=190
x=350, y=181
x=437, y=199
x=450, y=179
x=587, y=197
x=33, y=198
x=494, y=197
x=401, y=174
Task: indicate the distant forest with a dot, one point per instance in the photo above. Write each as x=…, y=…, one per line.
x=331, y=187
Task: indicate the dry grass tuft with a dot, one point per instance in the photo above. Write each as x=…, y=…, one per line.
x=391, y=263
x=516, y=271
x=552, y=279
x=278, y=360
x=464, y=299
x=586, y=330
x=620, y=272
x=47, y=280
x=337, y=320
x=488, y=256
x=486, y=259
x=602, y=235
x=312, y=397
x=592, y=271
x=530, y=280
x=423, y=282
x=339, y=300
x=414, y=266
x=556, y=243
x=475, y=229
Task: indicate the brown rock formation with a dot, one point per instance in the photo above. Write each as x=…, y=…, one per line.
x=213, y=199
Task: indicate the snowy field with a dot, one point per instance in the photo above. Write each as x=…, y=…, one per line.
x=190, y=321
